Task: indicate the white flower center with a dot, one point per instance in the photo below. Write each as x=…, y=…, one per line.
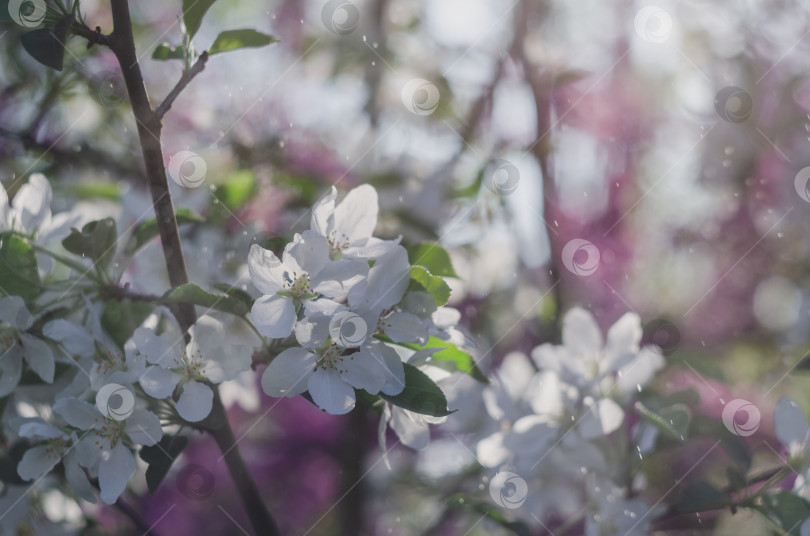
x=337, y=243
x=334, y=357
x=297, y=285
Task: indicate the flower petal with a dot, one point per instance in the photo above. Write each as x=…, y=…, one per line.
x=330, y=392
x=159, y=382
x=308, y=252
x=364, y=370
x=287, y=374
x=10, y=370
x=37, y=461
x=622, y=342
x=322, y=213
x=404, y=327
x=78, y=413
x=356, y=215
x=581, y=334
x=77, y=478
x=32, y=203
x=143, y=427
x=266, y=270
x=39, y=356
x=114, y=472
x=412, y=433
x=273, y=316
x=195, y=401
x=602, y=418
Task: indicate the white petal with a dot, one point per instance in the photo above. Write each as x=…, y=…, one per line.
x=37, y=461
x=422, y=305
x=322, y=213
x=356, y=215
x=14, y=312
x=73, y=338
x=309, y=252
x=394, y=370
x=228, y=363
x=266, y=270
x=545, y=394
x=164, y=349
x=581, y=333
x=405, y=327
x=363, y=370
x=622, y=342
x=39, y=429
x=159, y=382
x=370, y=248
x=273, y=316
x=77, y=478
x=32, y=203
x=195, y=401
x=490, y=451
x=78, y=413
x=10, y=370
x=516, y=372
x=143, y=427
x=287, y=374
x=790, y=424
x=312, y=332
x=207, y=337
x=387, y=280
x=114, y=473
x=330, y=392
x=338, y=277
x=4, y=210
x=640, y=370
x=412, y=433
x=530, y=435
x=602, y=418
x=39, y=356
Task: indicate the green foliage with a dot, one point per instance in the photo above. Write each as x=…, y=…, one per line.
x=47, y=44
x=148, y=229
x=459, y=501
x=196, y=295
x=193, y=13
x=433, y=257
x=19, y=275
x=672, y=420
x=421, y=394
x=432, y=284
x=96, y=241
x=160, y=458
x=121, y=318
x=787, y=509
x=165, y=51
x=451, y=354
x=236, y=39
x=701, y=496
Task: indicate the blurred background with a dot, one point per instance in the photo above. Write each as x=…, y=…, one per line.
x=622, y=156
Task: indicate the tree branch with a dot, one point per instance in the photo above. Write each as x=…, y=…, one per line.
x=196, y=69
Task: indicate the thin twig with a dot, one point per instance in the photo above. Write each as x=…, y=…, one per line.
x=196, y=69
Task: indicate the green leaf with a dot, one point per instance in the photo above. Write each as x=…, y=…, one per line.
x=236, y=293
x=421, y=394
x=236, y=39
x=737, y=480
x=18, y=268
x=433, y=284
x=451, y=353
x=148, y=229
x=47, y=45
x=787, y=509
x=121, y=318
x=673, y=420
x=701, y=496
x=194, y=294
x=160, y=458
x=165, y=51
x=433, y=257
x=193, y=13
x=96, y=240
x=83, y=190
x=236, y=189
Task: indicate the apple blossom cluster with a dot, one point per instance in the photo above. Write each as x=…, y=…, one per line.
x=349, y=300
x=552, y=414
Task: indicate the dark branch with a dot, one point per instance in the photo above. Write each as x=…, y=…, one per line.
x=196, y=69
